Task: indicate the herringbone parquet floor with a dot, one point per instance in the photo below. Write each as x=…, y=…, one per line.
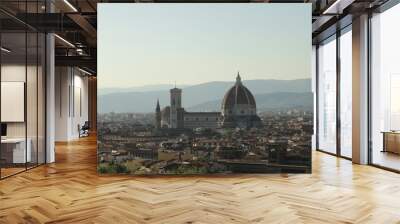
x=70, y=191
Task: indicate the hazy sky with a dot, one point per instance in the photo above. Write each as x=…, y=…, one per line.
x=147, y=44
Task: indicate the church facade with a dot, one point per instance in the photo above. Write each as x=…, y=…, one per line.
x=238, y=109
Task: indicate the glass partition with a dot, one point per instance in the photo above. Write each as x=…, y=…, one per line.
x=31, y=99
x=346, y=93
x=23, y=91
x=13, y=109
x=327, y=96
x=385, y=89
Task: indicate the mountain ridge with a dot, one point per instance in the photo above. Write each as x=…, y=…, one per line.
x=144, y=102
x=277, y=100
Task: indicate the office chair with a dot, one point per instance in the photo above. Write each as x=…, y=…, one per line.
x=84, y=130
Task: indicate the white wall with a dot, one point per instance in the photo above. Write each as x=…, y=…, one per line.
x=50, y=93
x=71, y=102
x=62, y=82
x=34, y=125
x=80, y=108
x=12, y=73
x=17, y=73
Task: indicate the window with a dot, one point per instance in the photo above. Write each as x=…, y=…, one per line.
x=346, y=93
x=327, y=95
x=394, y=102
x=313, y=83
x=385, y=89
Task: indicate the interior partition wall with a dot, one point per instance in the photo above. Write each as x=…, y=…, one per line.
x=385, y=89
x=334, y=94
x=22, y=107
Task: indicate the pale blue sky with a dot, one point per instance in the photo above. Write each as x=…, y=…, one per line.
x=147, y=44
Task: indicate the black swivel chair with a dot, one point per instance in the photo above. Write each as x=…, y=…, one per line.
x=84, y=130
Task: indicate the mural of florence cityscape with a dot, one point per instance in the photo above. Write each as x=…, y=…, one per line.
x=204, y=89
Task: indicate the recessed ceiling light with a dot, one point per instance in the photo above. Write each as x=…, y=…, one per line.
x=337, y=7
x=64, y=40
x=5, y=50
x=70, y=5
x=84, y=71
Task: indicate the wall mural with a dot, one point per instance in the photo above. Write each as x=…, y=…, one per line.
x=172, y=101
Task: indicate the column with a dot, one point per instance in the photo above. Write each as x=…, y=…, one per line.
x=360, y=90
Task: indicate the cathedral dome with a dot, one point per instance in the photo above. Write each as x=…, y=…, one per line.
x=239, y=97
x=239, y=107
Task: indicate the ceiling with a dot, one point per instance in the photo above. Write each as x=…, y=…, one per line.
x=75, y=21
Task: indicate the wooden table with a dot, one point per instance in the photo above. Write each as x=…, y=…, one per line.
x=391, y=141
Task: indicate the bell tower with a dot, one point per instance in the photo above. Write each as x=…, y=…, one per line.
x=158, y=116
x=176, y=106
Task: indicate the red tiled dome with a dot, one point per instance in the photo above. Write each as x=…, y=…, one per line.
x=238, y=95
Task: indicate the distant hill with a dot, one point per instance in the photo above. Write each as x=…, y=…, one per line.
x=196, y=95
x=279, y=100
x=104, y=91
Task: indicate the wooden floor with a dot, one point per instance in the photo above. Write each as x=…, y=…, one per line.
x=386, y=159
x=70, y=191
x=5, y=172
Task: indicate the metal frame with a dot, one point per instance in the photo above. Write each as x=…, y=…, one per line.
x=339, y=32
x=389, y=4
x=369, y=100
x=318, y=92
x=26, y=90
x=0, y=92
x=338, y=97
x=316, y=97
x=44, y=71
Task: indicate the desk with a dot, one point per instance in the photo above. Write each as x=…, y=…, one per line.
x=391, y=141
x=13, y=150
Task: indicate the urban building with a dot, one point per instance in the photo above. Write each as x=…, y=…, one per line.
x=238, y=109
